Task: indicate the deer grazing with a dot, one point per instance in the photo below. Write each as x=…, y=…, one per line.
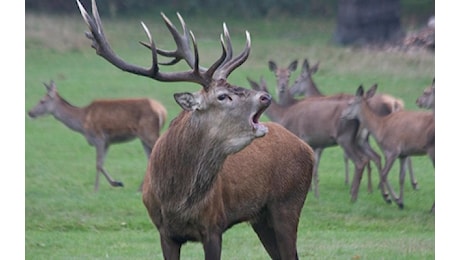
x=382, y=104
x=217, y=165
x=318, y=122
x=400, y=134
x=106, y=122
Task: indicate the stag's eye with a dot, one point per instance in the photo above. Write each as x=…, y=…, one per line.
x=223, y=96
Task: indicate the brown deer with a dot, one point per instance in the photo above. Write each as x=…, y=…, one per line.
x=427, y=100
x=400, y=134
x=212, y=168
x=282, y=75
x=106, y=122
x=318, y=122
x=383, y=104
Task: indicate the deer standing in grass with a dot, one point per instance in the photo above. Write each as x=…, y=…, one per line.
x=318, y=122
x=282, y=74
x=399, y=135
x=382, y=104
x=217, y=165
x=427, y=100
x=106, y=122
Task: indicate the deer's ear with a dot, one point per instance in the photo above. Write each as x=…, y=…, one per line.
x=293, y=66
x=187, y=101
x=272, y=65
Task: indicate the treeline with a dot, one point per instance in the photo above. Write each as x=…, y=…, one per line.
x=241, y=8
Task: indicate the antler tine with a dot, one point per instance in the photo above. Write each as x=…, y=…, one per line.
x=183, y=50
x=219, y=70
x=103, y=49
x=230, y=64
x=228, y=43
x=102, y=46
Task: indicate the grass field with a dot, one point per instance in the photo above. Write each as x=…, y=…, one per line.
x=65, y=219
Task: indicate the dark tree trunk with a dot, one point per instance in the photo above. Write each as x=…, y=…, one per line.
x=368, y=21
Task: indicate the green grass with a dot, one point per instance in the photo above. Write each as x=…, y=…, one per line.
x=65, y=219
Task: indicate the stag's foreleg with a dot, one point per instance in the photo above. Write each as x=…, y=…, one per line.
x=213, y=246
x=267, y=236
x=170, y=248
x=101, y=151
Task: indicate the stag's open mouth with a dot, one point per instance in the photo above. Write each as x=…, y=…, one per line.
x=260, y=129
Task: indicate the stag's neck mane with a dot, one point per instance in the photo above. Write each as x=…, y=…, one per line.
x=70, y=115
x=185, y=163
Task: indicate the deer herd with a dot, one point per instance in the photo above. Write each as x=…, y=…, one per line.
x=217, y=165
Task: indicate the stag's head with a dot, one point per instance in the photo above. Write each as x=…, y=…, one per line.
x=219, y=106
x=47, y=103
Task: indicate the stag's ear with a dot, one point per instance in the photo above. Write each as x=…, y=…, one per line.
x=187, y=101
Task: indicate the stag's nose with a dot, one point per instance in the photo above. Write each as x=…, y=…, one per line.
x=265, y=99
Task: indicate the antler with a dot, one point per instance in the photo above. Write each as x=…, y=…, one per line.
x=221, y=69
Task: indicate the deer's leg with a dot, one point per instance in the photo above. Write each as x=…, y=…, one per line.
x=213, y=246
x=369, y=178
x=386, y=188
x=345, y=159
x=170, y=248
x=413, y=181
x=101, y=151
x=359, y=169
x=267, y=236
x=373, y=155
x=353, y=152
x=318, y=152
x=148, y=151
x=285, y=223
x=402, y=176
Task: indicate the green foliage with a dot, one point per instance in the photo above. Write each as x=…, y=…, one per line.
x=65, y=219
x=238, y=8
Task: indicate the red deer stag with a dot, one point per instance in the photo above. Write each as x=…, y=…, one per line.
x=383, y=104
x=106, y=122
x=400, y=134
x=212, y=168
x=318, y=122
x=282, y=75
